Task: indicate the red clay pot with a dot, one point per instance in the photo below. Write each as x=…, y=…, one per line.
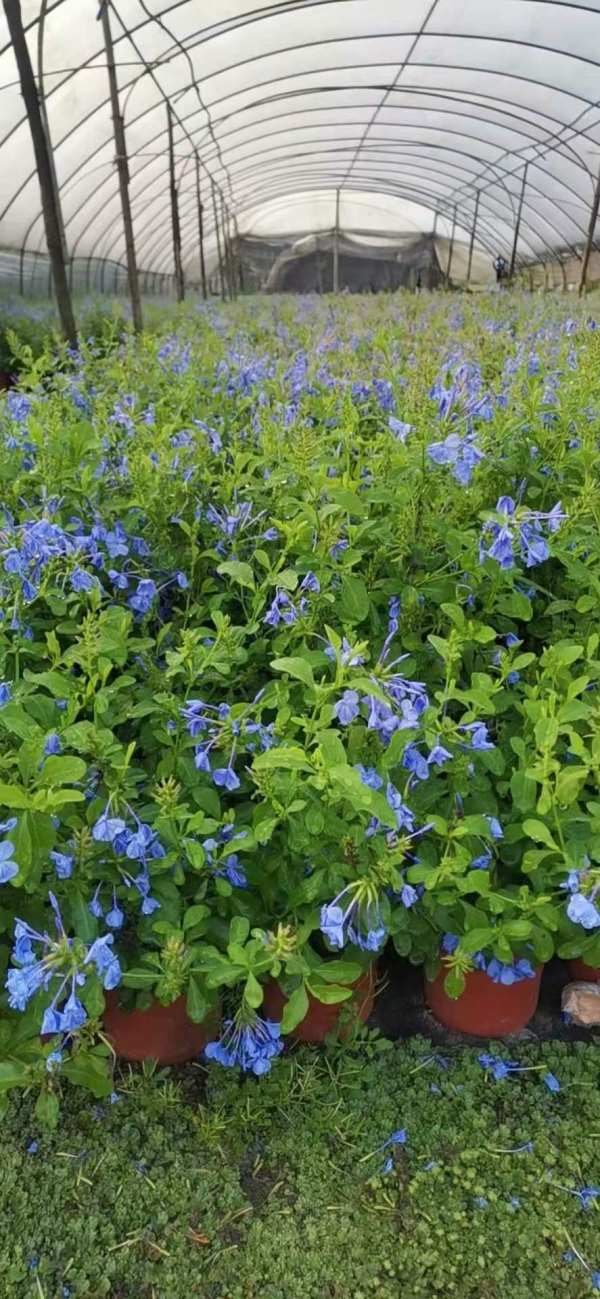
x=485, y=1008
x=579, y=970
x=162, y=1033
x=321, y=1019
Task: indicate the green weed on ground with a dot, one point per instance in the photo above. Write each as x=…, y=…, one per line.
x=203, y=1184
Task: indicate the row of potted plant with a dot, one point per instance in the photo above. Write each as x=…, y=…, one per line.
x=285, y=677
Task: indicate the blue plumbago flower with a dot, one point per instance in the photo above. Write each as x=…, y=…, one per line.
x=414, y=761
x=405, y=818
x=213, y=438
x=499, y=1068
x=586, y=1195
x=399, y=429
x=347, y=708
x=225, y=777
x=551, y=1082
x=480, y=1202
x=479, y=735
x=346, y=654
x=106, y=829
x=360, y=923
x=522, y=528
x=63, y=864
x=438, y=755
x=231, y=870
x=251, y=1045
x=106, y=961
x=369, y=776
x=496, y=830
x=32, y=1148
x=5, y=693
x=231, y=524
x=82, y=581
x=143, y=598
x=582, y=911
x=271, y=534
x=310, y=583
x=460, y=453
x=115, y=917
x=483, y=862
x=283, y=609
x=18, y=406
x=52, y=745
x=507, y=975
x=8, y=867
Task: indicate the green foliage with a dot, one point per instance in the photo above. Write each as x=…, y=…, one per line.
x=246, y=1192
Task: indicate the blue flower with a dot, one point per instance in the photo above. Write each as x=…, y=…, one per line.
x=115, y=917
x=106, y=961
x=5, y=693
x=347, y=708
x=82, y=581
x=460, y=453
x=581, y=911
x=551, y=1082
x=310, y=583
x=413, y=760
x=107, y=828
x=496, y=830
x=63, y=864
x=142, y=600
x=8, y=867
x=53, y=745
x=251, y=1047
x=225, y=777
x=480, y=739
x=438, y=755
x=399, y=429
x=360, y=923
x=369, y=776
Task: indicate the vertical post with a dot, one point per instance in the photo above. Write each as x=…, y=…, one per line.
x=200, y=229
x=50, y=200
x=336, y=245
x=21, y=270
x=44, y=116
x=218, y=238
x=513, y=258
x=451, y=248
x=123, y=172
x=179, y=285
x=226, y=251
x=472, y=239
x=240, y=267
x=590, y=237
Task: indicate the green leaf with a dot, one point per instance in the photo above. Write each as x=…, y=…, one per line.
x=329, y=993
x=14, y=796
x=239, y=929
x=290, y=758
x=476, y=939
x=13, y=1073
x=354, y=599
x=332, y=749
x=523, y=790
x=253, y=991
x=286, y=578
x=540, y=833
x=197, y=1005
x=62, y=771
x=340, y=971
x=239, y=571
x=454, y=983
x=47, y=1109
x=140, y=978
x=90, y=1071
x=347, y=500
x=295, y=667
x=195, y=915
x=295, y=1010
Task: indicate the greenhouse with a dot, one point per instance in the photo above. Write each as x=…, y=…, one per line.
x=299, y=649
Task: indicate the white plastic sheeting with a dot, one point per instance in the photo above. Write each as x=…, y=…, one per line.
x=411, y=107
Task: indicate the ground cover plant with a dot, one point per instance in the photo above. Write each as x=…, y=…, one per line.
x=362, y=1174
x=298, y=656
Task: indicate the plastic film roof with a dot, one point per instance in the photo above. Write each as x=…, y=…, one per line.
x=412, y=108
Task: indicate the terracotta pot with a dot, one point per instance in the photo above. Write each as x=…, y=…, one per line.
x=579, y=970
x=485, y=1008
x=162, y=1033
x=321, y=1019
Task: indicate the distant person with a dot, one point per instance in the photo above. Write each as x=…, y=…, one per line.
x=500, y=269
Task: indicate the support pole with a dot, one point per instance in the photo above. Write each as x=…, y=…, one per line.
x=200, y=229
x=451, y=248
x=179, y=285
x=472, y=239
x=227, y=251
x=50, y=199
x=336, y=245
x=240, y=269
x=589, y=243
x=123, y=173
x=218, y=238
x=513, y=258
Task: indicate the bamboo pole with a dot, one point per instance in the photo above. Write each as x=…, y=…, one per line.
x=451, y=248
x=123, y=173
x=179, y=284
x=336, y=245
x=50, y=199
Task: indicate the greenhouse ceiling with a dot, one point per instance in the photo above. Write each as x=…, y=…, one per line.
x=417, y=111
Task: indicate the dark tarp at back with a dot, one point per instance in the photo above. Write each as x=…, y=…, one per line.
x=307, y=266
